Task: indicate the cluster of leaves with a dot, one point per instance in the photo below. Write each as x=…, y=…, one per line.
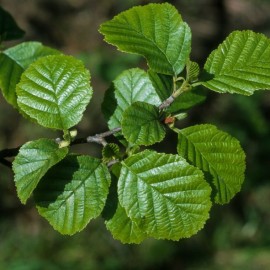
x=140, y=193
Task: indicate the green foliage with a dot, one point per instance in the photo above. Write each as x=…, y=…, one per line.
x=124, y=229
x=217, y=153
x=141, y=125
x=14, y=61
x=110, y=151
x=240, y=64
x=156, y=32
x=130, y=86
x=140, y=193
x=164, y=195
x=32, y=162
x=55, y=91
x=76, y=195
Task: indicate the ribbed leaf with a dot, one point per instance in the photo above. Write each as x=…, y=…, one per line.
x=141, y=124
x=155, y=31
x=9, y=29
x=14, y=61
x=217, y=153
x=130, y=86
x=73, y=192
x=35, y=158
x=163, y=84
x=55, y=91
x=124, y=229
x=164, y=195
x=241, y=64
x=110, y=151
x=193, y=71
x=187, y=100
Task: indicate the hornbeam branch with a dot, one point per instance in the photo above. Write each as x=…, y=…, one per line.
x=98, y=138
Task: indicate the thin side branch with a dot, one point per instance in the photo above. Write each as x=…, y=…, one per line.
x=166, y=103
x=98, y=138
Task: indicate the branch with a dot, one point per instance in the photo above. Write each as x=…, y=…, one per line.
x=98, y=138
x=166, y=103
x=176, y=92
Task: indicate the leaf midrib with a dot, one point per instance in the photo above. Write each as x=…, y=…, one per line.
x=211, y=168
x=152, y=41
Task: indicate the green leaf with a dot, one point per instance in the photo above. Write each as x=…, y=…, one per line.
x=164, y=195
x=124, y=229
x=9, y=29
x=155, y=31
x=187, y=100
x=34, y=159
x=73, y=192
x=141, y=124
x=241, y=64
x=130, y=86
x=14, y=61
x=216, y=153
x=163, y=84
x=110, y=151
x=193, y=71
x=55, y=91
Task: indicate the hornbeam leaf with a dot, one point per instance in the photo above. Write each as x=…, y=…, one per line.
x=73, y=192
x=164, y=195
x=14, y=61
x=110, y=152
x=188, y=100
x=141, y=124
x=193, y=71
x=163, y=84
x=55, y=91
x=155, y=31
x=216, y=153
x=130, y=86
x=124, y=229
x=241, y=64
x=34, y=159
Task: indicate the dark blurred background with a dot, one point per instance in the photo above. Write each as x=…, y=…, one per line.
x=237, y=236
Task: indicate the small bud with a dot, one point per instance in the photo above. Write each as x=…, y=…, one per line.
x=73, y=133
x=181, y=116
x=169, y=120
x=63, y=144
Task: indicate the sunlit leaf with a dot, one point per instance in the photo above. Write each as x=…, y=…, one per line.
x=110, y=152
x=193, y=71
x=124, y=229
x=14, y=61
x=216, y=153
x=34, y=159
x=164, y=195
x=55, y=91
x=187, y=100
x=73, y=192
x=163, y=84
x=130, y=86
x=155, y=31
x=141, y=124
x=241, y=64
